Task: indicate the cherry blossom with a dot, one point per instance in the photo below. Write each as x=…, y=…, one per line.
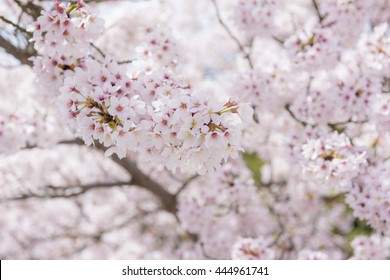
x=66, y=30
x=195, y=129
x=312, y=48
x=256, y=17
x=373, y=247
x=249, y=249
x=332, y=160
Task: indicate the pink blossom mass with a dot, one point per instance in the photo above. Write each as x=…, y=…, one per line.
x=197, y=129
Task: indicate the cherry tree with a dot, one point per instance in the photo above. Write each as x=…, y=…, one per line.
x=199, y=129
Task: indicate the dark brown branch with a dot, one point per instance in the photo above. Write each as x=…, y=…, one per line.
x=138, y=178
x=168, y=200
x=25, y=52
x=21, y=54
x=30, y=8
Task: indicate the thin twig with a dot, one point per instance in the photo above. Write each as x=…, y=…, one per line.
x=280, y=41
x=288, y=109
x=232, y=36
x=316, y=7
x=282, y=228
x=98, y=49
x=339, y=126
x=21, y=29
x=76, y=141
x=126, y=61
x=186, y=183
x=66, y=192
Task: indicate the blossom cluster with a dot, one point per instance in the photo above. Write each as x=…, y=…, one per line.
x=370, y=194
x=66, y=30
x=252, y=249
x=374, y=247
x=230, y=206
x=160, y=46
x=25, y=121
x=332, y=160
x=62, y=38
x=256, y=17
x=164, y=120
x=180, y=128
x=346, y=18
x=264, y=88
x=375, y=48
x=313, y=49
